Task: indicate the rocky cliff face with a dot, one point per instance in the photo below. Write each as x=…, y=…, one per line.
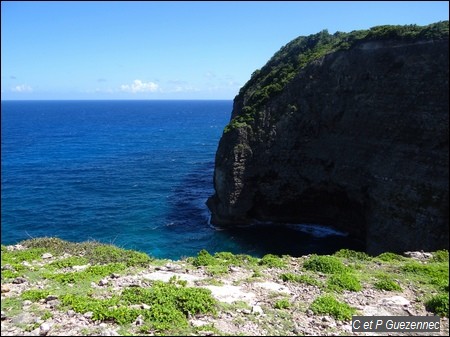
x=357, y=139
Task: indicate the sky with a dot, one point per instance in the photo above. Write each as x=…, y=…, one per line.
x=168, y=49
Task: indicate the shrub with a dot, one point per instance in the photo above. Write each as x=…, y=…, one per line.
x=203, y=259
x=35, y=295
x=170, y=305
x=386, y=283
x=282, y=304
x=272, y=261
x=438, y=304
x=389, y=257
x=352, y=255
x=440, y=256
x=344, y=281
x=327, y=304
x=324, y=264
x=92, y=273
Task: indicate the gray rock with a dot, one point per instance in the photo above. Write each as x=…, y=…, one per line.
x=145, y=306
x=19, y=280
x=256, y=309
x=44, y=328
x=103, y=282
x=88, y=314
x=357, y=139
x=51, y=298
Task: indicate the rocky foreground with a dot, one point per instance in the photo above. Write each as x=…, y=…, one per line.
x=52, y=287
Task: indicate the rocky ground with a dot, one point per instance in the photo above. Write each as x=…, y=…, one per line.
x=247, y=302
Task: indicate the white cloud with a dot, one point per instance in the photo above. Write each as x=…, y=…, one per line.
x=139, y=86
x=22, y=88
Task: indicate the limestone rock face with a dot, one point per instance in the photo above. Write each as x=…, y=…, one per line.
x=358, y=139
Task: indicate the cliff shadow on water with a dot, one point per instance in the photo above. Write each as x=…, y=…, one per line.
x=188, y=223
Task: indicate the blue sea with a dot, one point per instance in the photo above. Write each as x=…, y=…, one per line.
x=135, y=174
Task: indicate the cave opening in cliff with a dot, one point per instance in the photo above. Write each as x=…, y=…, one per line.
x=322, y=208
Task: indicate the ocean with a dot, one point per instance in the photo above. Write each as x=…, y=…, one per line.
x=135, y=174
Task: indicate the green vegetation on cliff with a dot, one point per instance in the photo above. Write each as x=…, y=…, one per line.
x=271, y=79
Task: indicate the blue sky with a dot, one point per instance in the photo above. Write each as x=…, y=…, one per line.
x=167, y=49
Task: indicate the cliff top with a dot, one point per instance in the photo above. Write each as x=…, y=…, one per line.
x=54, y=287
x=267, y=82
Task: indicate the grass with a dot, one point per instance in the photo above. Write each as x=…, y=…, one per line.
x=386, y=282
x=306, y=279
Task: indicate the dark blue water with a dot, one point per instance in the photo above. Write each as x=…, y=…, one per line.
x=133, y=173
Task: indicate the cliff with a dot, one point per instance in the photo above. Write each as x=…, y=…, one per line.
x=348, y=130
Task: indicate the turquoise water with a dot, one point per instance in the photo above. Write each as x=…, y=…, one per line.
x=133, y=173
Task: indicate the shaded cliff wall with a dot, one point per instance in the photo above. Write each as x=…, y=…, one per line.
x=358, y=139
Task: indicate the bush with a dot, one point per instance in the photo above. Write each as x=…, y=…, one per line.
x=440, y=256
x=344, y=281
x=35, y=295
x=282, y=304
x=272, y=261
x=438, y=304
x=324, y=264
x=389, y=257
x=386, y=283
x=352, y=255
x=203, y=259
x=170, y=305
x=327, y=304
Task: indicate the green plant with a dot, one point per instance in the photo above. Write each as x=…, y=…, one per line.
x=272, y=261
x=438, y=304
x=170, y=304
x=344, y=281
x=289, y=277
x=291, y=59
x=390, y=257
x=385, y=282
x=69, y=262
x=35, y=295
x=352, y=255
x=327, y=304
x=15, y=257
x=440, y=256
x=203, y=259
x=325, y=264
x=92, y=273
x=105, y=254
x=282, y=304
x=431, y=273
x=47, y=315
